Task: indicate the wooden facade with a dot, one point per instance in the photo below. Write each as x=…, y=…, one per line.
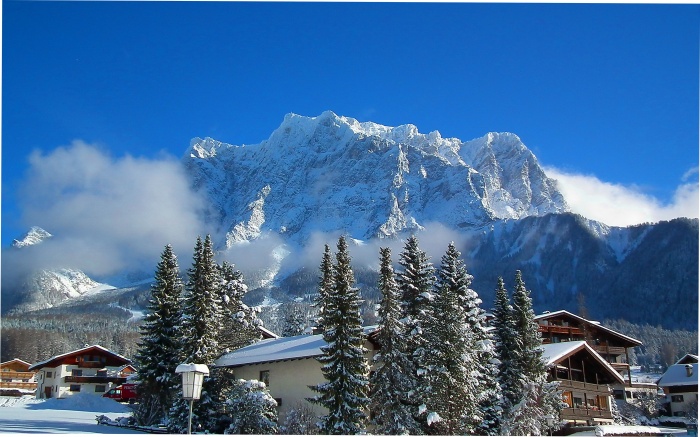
x=563, y=326
x=585, y=380
x=15, y=377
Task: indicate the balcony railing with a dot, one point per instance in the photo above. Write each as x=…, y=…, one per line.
x=585, y=414
x=555, y=329
x=588, y=387
x=609, y=350
x=91, y=364
x=10, y=385
x=17, y=375
x=95, y=379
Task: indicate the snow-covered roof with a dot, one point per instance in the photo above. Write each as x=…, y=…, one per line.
x=688, y=359
x=274, y=349
x=592, y=322
x=553, y=352
x=44, y=363
x=677, y=375
x=267, y=333
x=278, y=349
x=15, y=360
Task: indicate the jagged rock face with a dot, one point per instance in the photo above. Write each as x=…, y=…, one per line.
x=331, y=173
x=35, y=236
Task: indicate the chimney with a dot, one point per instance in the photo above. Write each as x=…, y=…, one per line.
x=688, y=370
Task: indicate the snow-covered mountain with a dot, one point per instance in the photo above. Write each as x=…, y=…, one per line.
x=45, y=288
x=330, y=173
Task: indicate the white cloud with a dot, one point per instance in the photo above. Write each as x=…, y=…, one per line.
x=621, y=205
x=106, y=213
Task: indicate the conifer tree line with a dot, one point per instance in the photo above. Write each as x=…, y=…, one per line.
x=440, y=369
x=196, y=319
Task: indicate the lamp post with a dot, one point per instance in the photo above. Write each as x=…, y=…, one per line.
x=192, y=378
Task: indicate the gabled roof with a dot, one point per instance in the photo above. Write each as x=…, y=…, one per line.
x=266, y=333
x=15, y=360
x=590, y=322
x=688, y=359
x=54, y=361
x=677, y=375
x=277, y=349
x=553, y=353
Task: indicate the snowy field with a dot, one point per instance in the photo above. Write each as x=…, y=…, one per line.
x=75, y=415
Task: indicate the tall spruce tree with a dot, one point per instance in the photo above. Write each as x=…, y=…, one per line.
x=415, y=278
x=539, y=399
x=239, y=323
x=391, y=387
x=202, y=317
x=159, y=349
x=505, y=338
x=325, y=286
x=345, y=369
x=452, y=369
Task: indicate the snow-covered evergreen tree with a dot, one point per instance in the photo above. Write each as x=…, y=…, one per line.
x=539, y=399
x=159, y=349
x=505, y=337
x=300, y=420
x=201, y=322
x=239, y=322
x=486, y=365
x=415, y=278
x=451, y=387
x=391, y=387
x=325, y=286
x=345, y=369
x=294, y=319
x=251, y=409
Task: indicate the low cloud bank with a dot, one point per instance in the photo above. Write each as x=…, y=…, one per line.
x=621, y=205
x=107, y=214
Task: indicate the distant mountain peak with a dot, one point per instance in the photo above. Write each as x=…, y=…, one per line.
x=35, y=236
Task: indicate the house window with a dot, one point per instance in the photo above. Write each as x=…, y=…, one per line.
x=100, y=388
x=265, y=377
x=75, y=387
x=101, y=373
x=578, y=402
x=677, y=398
x=76, y=372
x=49, y=374
x=6, y=380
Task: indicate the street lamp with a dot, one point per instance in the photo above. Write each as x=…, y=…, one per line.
x=192, y=378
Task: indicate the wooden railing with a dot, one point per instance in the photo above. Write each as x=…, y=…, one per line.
x=9, y=385
x=17, y=375
x=95, y=379
x=609, y=350
x=571, y=330
x=588, y=387
x=585, y=414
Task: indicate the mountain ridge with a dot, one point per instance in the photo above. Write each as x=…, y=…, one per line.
x=328, y=174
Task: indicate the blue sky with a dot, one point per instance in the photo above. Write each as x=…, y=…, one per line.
x=606, y=96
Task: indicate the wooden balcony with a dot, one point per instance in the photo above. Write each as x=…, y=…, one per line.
x=17, y=375
x=91, y=364
x=585, y=414
x=588, y=387
x=23, y=385
x=608, y=350
x=95, y=379
x=555, y=329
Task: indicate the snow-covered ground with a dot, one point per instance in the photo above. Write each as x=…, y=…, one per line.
x=620, y=430
x=74, y=415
